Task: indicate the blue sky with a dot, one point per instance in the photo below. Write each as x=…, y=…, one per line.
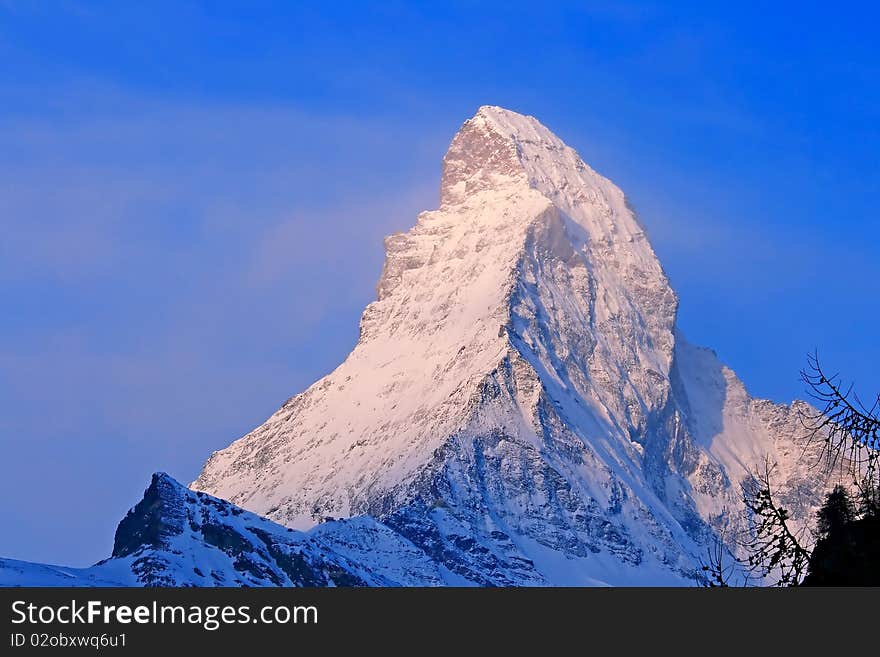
x=193, y=198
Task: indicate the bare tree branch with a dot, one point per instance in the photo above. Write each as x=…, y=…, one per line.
x=849, y=430
x=721, y=569
x=774, y=551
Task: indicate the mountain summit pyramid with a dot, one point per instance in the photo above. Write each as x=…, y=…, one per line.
x=520, y=405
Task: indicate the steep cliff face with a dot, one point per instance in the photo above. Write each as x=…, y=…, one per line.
x=520, y=405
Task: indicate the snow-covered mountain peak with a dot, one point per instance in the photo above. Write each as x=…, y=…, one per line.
x=518, y=393
x=520, y=408
x=498, y=151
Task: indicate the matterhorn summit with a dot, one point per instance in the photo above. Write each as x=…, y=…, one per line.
x=520, y=408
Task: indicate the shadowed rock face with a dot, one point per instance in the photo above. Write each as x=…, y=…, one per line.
x=153, y=521
x=172, y=526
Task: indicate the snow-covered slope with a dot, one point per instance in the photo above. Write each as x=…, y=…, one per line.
x=25, y=573
x=520, y=405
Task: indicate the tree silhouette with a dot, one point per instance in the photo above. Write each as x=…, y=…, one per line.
x=847, y=545
x=837, y=512
x=847, y=552
x=868, y=497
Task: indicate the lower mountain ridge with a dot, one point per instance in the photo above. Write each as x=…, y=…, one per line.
x=177, y=537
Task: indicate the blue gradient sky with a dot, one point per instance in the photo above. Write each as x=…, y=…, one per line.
x=192, y=202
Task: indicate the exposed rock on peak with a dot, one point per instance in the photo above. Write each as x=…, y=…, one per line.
x=482, y=156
